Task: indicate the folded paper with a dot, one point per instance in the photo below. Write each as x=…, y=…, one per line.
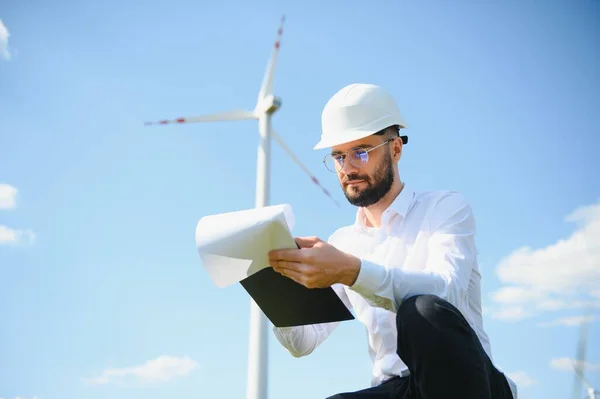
x=235, y=245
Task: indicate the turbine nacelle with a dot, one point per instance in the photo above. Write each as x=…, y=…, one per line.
x=268, y=105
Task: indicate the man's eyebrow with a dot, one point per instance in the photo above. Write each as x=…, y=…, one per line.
x=362, y=146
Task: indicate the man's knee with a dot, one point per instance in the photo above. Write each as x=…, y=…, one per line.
x=423, y=311
x=422, y=306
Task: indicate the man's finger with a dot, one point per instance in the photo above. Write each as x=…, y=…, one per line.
x=282, y=265
x=288, y=255
x=307, y=242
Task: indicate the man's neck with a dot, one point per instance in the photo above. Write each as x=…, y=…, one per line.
x=373, y=213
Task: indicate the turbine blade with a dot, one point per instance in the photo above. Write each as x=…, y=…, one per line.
x=579, y=362
x=234, y=115
x=287, y=149
x=579, y=372
x=266, y=87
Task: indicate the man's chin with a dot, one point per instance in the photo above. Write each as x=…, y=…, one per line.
x=354, y=194
x=353, y=191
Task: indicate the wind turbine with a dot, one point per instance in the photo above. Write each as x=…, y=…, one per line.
x=266, y=105
x=579, y=364
x=590, y=392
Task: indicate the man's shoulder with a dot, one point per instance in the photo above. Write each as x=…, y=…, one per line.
x=445, y=206
x=441, y=196
x=442, y=201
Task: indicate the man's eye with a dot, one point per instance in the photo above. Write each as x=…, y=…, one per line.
x=359, y=154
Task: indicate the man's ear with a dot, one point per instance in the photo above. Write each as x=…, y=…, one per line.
x=397, y=149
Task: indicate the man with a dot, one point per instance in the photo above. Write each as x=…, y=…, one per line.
x=407, y=266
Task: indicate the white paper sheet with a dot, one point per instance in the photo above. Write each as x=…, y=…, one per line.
x=235, y=245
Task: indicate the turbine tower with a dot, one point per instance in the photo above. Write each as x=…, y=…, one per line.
x=266, y=105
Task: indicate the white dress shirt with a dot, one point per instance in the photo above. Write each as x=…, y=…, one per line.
x=425, y=245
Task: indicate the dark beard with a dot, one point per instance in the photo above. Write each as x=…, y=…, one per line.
x=383, y=180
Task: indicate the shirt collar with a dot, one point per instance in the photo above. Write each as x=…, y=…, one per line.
x=403, y=202
x=400, y=206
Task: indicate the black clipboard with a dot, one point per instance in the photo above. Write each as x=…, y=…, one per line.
x=287, y=303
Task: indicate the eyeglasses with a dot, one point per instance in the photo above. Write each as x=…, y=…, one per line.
x=357, y=157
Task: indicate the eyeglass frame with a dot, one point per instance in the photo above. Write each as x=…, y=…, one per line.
x=345, y=155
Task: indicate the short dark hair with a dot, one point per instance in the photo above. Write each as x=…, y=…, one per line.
x=392, y=132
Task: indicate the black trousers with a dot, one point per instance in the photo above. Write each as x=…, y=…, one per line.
x=443, y=354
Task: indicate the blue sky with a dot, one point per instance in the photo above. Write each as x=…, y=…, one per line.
x=98, y=263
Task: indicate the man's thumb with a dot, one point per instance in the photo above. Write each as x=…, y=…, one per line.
x=307, y=242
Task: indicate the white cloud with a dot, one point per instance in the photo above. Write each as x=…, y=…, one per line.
x=8, y=200
x=521, y=378
x=569, y=321
x=8, y=195
x=9, y=236
x=566, y=364
x=161, y=369
x=562, y=275
x=4, y=52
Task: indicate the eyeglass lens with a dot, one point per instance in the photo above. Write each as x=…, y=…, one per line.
x=357, y=158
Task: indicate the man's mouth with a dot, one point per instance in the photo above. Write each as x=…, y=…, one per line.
x=353, y=182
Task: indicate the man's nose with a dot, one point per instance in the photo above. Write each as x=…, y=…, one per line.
x=347, y=168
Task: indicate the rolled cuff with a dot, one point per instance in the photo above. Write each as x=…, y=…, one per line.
x=371, y=278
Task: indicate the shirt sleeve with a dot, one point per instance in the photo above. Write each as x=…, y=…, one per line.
x=303, y=340
x=450, y=259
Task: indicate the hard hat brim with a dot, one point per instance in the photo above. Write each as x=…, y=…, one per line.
x=357, y=135
x=347, y=137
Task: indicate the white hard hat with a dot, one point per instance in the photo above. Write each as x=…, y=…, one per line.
x=356, y=111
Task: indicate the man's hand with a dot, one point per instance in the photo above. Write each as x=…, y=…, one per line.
x=317, y=264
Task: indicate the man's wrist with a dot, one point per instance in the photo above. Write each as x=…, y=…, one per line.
x=351, y=271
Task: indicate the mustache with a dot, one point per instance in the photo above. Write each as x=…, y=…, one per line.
x=355, y=177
